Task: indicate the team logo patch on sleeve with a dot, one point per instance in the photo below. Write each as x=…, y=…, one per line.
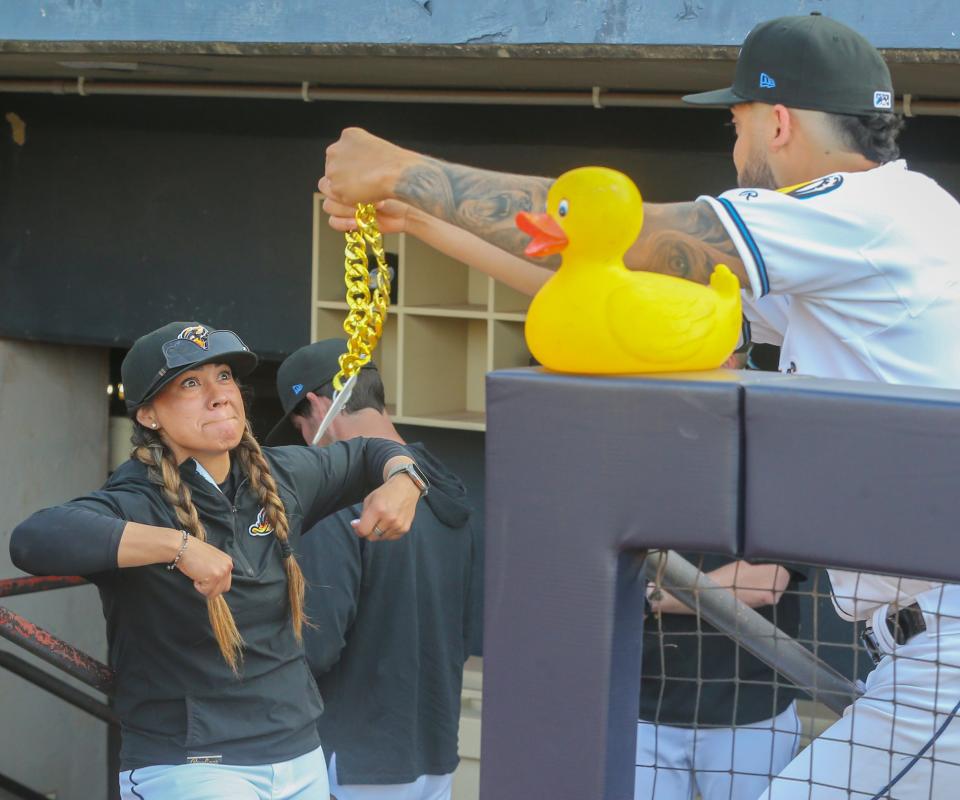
x=261, y=527
x=815, y=188
x=196, y=334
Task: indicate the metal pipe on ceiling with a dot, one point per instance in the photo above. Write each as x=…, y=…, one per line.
x=597, y=97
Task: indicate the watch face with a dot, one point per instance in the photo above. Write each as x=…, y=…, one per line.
x=416, y=474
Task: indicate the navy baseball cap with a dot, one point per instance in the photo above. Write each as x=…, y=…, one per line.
x=161, y=355
x=306, y=370
x=811, y=62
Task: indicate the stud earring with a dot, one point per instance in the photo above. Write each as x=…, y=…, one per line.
x=154, y=425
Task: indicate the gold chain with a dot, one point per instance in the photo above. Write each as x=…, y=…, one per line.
x=367, y=311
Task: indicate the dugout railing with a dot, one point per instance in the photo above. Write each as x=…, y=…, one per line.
x=586, y=474
x=63, y=656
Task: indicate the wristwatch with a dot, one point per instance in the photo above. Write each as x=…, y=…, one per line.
x=415, y=474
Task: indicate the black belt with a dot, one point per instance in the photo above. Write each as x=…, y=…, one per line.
x=903, y=625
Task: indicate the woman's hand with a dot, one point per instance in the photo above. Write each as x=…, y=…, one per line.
x=388, y=511
x=209, y=568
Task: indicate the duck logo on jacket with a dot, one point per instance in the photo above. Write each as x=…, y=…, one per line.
x=196, y=334
x=262, y=526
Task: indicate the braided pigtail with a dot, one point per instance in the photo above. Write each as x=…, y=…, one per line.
x=261, y=481
x=149, y=449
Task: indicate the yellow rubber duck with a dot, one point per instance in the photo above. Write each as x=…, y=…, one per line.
x=594, y=315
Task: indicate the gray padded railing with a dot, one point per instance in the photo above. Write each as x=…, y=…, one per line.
x=585, y=474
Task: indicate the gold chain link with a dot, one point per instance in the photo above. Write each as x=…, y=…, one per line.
x=367, y=311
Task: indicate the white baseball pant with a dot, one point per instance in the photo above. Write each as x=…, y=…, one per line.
x=721, y=763
x=426, y=787
x=302, y=778
x=900, y=740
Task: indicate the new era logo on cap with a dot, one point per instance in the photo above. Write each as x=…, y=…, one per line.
x=297, y=388
x=882, y=100
x=766, y=82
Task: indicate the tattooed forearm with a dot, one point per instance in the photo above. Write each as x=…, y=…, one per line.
x=482, y=202
x=686, y=240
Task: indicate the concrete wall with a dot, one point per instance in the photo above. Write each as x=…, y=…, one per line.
x=931, y=24
x=53, y=435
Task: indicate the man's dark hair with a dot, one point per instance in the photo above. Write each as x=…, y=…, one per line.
x=367, y=393
x=874, y=136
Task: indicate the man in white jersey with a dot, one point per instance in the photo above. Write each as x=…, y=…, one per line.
x=848, y=261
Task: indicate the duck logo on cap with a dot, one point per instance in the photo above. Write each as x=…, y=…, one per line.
x=196, y=334
x=262, y=526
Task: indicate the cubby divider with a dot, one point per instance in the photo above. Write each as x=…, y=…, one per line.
x=449, y=326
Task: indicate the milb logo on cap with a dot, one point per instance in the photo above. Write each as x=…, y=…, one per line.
x=882, y=100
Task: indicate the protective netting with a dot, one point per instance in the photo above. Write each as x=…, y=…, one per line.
x=719, y=722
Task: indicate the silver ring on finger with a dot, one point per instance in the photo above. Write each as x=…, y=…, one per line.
x=377, y=531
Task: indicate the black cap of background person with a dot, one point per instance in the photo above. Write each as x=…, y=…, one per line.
x=306, y=370
x=811, y=62
x=161, y=355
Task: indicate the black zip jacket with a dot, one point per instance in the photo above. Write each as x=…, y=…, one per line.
x=175, y=695
x=393, y=627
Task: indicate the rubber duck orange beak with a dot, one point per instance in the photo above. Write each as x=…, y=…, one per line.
x=548, y=236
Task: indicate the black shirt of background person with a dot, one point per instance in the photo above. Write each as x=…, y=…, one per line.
x=694, y=675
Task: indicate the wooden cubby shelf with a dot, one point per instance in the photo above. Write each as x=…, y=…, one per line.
x=448, y=326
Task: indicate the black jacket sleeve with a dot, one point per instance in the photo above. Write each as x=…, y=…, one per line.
x=332, y=561
x=79, y=538
x=326, y=479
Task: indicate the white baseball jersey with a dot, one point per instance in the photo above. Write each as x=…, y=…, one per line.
x=856, y=276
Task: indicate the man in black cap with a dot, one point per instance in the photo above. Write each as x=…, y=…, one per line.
x=391, y=625
x=847, y=259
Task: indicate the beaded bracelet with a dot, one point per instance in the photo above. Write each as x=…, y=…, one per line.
x=183, y=546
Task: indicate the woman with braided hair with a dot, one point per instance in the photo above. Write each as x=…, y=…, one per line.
x=188, y=543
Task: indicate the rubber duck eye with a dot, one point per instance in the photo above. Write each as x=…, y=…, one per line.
x=563, y=208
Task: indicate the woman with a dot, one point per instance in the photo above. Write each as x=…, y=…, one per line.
x=188, y=544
